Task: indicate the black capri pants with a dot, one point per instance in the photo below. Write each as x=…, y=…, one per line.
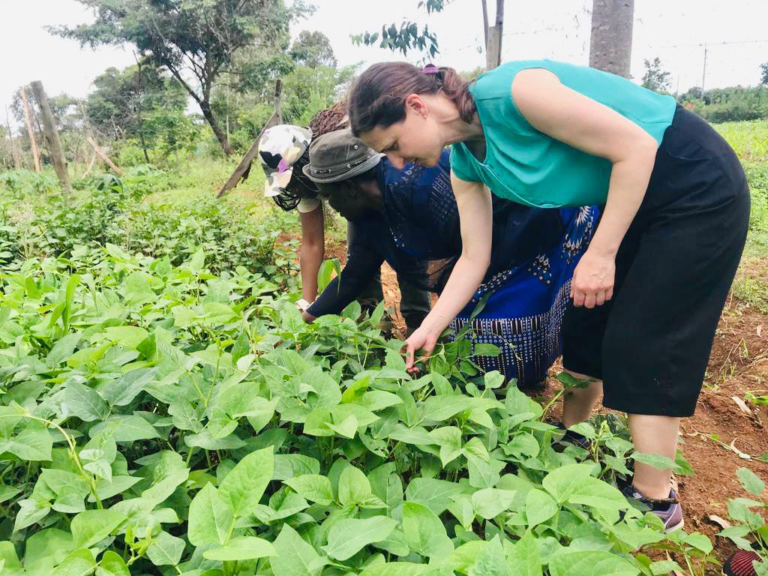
x=650, y=344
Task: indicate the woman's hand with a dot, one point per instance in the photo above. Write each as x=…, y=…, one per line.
x=421, y=339
x=593, y=279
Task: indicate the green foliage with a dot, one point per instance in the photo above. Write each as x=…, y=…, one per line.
x=110, y=210
x=750, y=531
x=309, y=90
x=735, y=104
x=201, y=36
x=123, y=101
x=313, y=49
x=655, y=78
x=167, y=410
x=408, y=36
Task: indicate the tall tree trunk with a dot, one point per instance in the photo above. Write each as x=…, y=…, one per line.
x=204, y=102
x=140, y=89
x=52, y=136
x=205, y=107
x=493, y=42
x=610, y=47
x=30, y=131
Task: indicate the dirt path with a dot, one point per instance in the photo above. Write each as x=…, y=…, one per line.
x=738, y=365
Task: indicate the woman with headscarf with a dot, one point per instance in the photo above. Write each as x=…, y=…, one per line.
x=284, y=151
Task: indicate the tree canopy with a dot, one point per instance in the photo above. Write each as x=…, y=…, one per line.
x=195, y=40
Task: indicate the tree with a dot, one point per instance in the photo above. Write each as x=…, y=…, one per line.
x=190, y=38
x=764, y=74
x=610, y=46
x=313, y=49
x=123, y=100
x=655, y=78
x=408, y=36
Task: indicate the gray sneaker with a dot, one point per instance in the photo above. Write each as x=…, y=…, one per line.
x=669, y=509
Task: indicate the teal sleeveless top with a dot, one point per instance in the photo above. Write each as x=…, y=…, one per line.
x=532, y=168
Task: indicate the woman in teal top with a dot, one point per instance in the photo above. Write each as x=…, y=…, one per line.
x=648, y=292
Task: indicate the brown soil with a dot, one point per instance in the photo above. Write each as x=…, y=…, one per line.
x=738, y=365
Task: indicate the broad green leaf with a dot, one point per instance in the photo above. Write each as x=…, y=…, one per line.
x=291, y=465
x=62, y=350
x=424, y=531
x=78, y=563
x=563, y=481
x=124, y=390
x=399, y=569
x=47, y=548
x=416, y=435
x=127, y=336
x=346, y=428
x=93, y=526
x=31, y=511
x=353, y=486
x=699, y=541
x=483, y=474
x=598, y=494
x=591, y=562
x=243, y=487
x=207, y=442
x=313, y=487
x=439, y=408
x=240, y=399
x=295, y=557
x=665, y=567
x=242, y=548
x=325, y=390
x=656, y=460
x=84, y=402
x=210, y=518
x=127, y=429
x=491, y=561
x=112, y=564
x=751, y=482
x=462, y=559
x=166, y=550
x=449, y=440
x=539, y=507
x=349, y=536
x=490, y=502
x=32, y=444
x=525, y=559
x=8, y=558
x=187, y=416
x=435, y=494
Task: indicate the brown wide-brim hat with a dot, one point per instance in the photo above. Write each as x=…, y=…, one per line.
x=338, y=156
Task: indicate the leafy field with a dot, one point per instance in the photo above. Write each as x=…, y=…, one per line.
x=165, y=410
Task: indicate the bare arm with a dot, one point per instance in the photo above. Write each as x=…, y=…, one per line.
x=311, y=251
x=476, y=213
x=583, y=123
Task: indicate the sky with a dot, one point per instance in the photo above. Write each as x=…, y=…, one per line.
x=673, y=30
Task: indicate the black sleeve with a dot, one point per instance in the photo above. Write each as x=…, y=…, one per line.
x=362, y=264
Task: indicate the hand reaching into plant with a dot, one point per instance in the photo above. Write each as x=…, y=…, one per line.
x=421, y=339
x=593, y=279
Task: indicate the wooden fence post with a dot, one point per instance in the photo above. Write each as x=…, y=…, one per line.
x=52, y=136
x=30, y=131
x=244, y=168
x=103, y=156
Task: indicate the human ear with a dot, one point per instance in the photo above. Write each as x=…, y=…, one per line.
x=416, y=104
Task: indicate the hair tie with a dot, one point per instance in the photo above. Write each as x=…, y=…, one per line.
x=430, y=69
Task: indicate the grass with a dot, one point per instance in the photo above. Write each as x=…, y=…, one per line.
x=750, y=141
